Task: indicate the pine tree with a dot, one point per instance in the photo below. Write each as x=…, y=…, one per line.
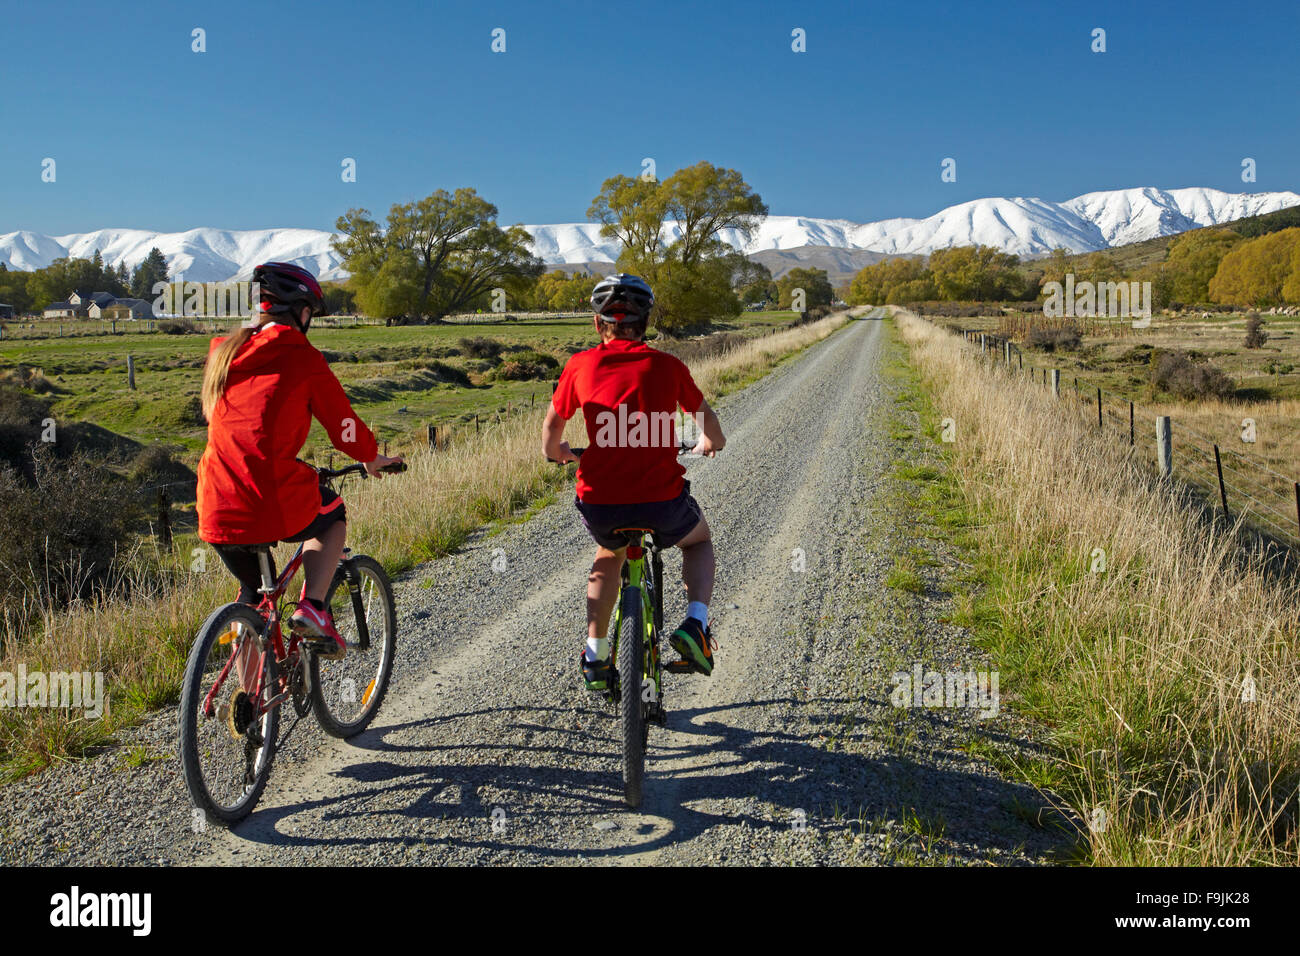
x=152, y=269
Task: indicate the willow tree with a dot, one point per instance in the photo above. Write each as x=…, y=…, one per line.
x=437, y=255
x=670, y=232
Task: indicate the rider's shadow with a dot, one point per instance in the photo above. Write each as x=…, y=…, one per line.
x=771, y=780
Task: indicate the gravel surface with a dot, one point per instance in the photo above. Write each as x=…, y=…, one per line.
x=488, y=751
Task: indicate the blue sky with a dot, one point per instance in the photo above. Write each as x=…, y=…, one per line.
x=251, y=134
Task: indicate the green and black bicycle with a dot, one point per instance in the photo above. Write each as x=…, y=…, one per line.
x=636, y=685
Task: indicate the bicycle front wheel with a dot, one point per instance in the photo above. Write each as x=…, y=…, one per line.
x=346, y=694
x=226, y=747
x=631, y=661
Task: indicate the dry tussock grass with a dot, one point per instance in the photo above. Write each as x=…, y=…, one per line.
x=1170, y=682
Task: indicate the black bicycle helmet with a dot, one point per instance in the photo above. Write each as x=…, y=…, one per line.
x=626, y=298
x=285, y=287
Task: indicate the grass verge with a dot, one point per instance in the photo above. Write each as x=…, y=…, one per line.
x=1160, y=654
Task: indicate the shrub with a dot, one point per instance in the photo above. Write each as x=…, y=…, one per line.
x=61, y=533
x=814, y=314
x=1175, y=372
x=517, y=371
x=706, y=347
x=178, y=327
x=955, y=310
x=1049, y=340
x=534, y=357
x=1255, y=334
x=29, y=379
x=480, y=347
x=157, y=464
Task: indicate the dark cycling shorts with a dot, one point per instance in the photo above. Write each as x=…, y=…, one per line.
x=241, y=559
x=670, y=520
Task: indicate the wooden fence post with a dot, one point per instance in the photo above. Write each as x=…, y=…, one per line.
x=130, y=372
x=1223, y=492
x=1165, y=445
x=1130, y=424
x=1297, y=503
x=1056, y=383
x=432, y=435
x=1099, y=408
x=164, y=519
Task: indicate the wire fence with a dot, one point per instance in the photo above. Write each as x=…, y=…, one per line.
x=1228, y=481
x=29, y=328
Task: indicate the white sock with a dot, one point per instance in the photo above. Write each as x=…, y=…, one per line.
x=597, y=649
x=700, y=611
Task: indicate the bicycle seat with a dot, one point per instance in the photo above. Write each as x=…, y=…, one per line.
x=637, y=534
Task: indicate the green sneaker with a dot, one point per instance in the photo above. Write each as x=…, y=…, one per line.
x=695, y=644
x=595, y=674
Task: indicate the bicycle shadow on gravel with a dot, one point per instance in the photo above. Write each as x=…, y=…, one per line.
x=763, y=777
x=827, y=779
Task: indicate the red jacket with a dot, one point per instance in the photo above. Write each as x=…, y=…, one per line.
x=252, y=488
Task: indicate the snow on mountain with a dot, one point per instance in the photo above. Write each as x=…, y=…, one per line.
x=1025, y=226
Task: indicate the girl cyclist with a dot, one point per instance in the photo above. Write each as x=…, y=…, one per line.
x=261, y=388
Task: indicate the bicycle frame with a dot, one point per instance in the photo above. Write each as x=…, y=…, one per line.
x=651, y=587
x=272, y=592
x=269, y=608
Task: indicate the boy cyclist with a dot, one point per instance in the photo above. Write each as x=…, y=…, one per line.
x=630, y=475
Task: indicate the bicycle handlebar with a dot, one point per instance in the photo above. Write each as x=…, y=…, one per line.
x=681, y=450
x=329, y=474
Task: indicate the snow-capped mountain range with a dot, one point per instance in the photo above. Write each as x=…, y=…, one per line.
x=1025, y=226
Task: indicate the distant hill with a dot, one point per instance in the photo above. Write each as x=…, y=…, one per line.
x=1135, y=255
x=1025, y=226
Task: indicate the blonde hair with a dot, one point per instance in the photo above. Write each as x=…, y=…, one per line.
x=217, y=369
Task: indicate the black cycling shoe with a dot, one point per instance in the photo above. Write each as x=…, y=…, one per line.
x=695, y=644
x=595, y=674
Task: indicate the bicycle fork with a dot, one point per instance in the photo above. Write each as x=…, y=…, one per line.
x=651, y=627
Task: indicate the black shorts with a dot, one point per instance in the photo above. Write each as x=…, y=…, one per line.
x=670, y=520
x=241, y=559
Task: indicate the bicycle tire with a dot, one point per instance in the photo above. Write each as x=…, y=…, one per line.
x=192, y=727
x=631, y=661
x=362, y=676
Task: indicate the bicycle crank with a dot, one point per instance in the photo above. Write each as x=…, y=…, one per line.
x=300, y=687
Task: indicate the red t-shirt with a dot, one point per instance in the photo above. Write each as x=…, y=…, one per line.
x=629, y=394
x=252, y=488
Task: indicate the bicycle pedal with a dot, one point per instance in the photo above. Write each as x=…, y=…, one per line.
x=680, y=667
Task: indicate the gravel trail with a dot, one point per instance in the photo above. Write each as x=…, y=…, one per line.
x=488, y=751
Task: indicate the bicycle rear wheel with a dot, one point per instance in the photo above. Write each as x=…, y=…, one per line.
x=631, y=662
x=346, y=694
x=226, y=758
